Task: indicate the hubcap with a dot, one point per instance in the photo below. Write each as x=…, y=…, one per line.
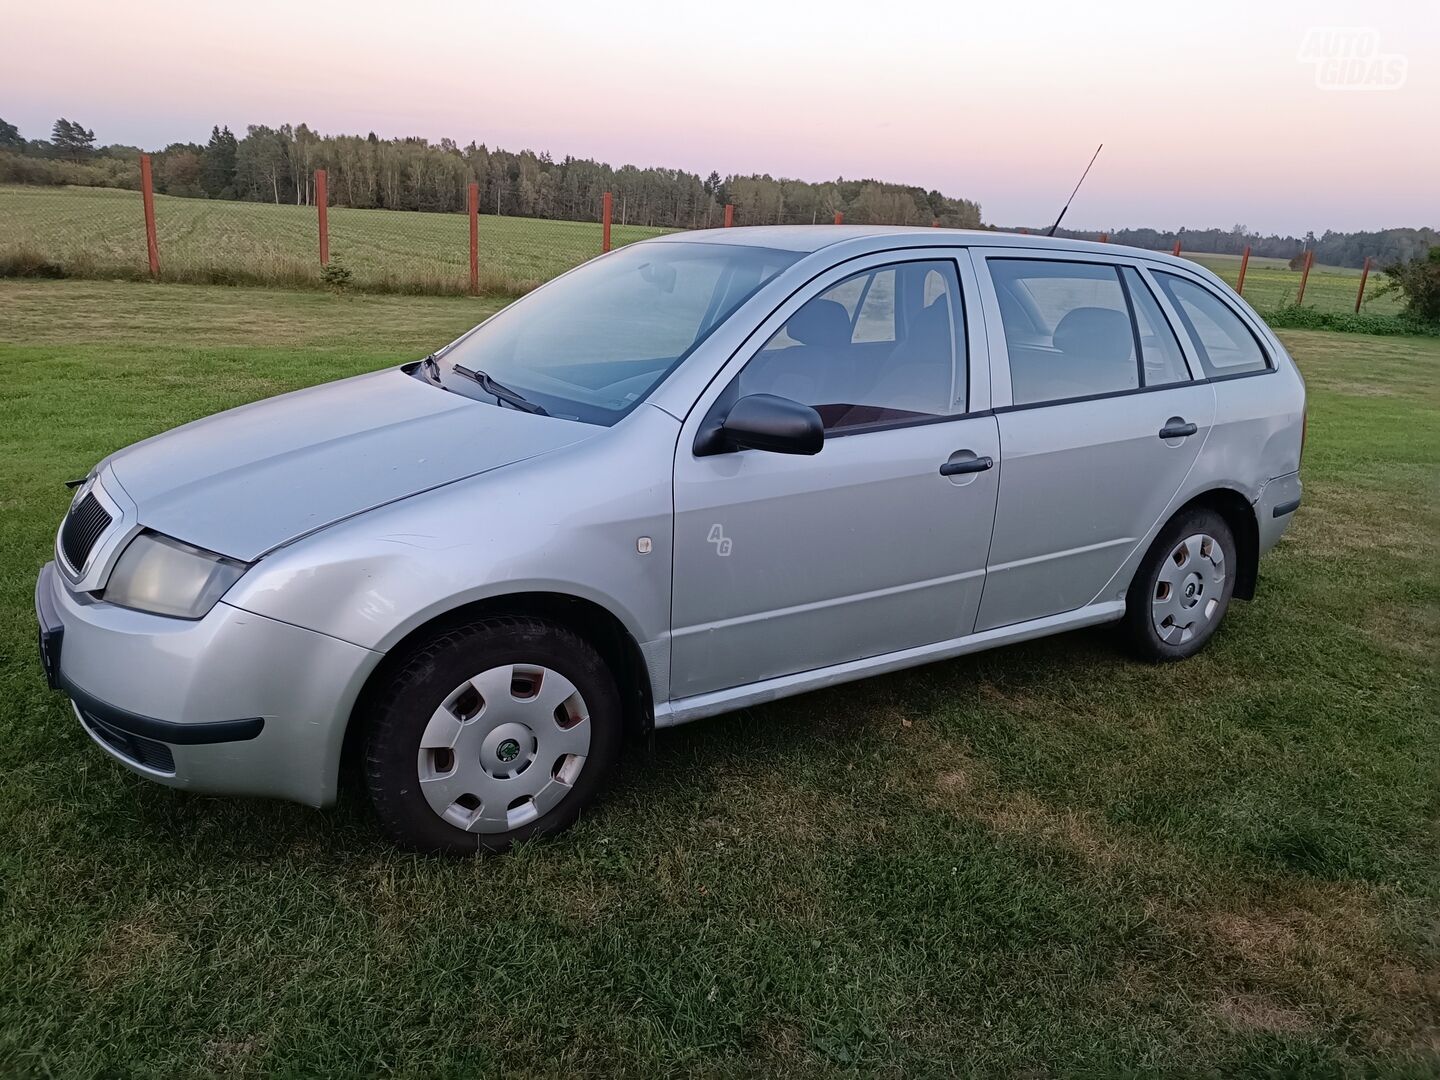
x=1189, y=589
x=503, y=748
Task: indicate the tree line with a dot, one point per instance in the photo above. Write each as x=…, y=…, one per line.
x=277, y=164
x=1385, y=246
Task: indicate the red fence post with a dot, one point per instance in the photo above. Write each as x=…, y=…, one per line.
x=729, y=215
x=474, y=193
x=147, y=197
x=1305, y=276
x=322, y=200
x=1176, y=252
x=1364, y=273
x=1104, y=238
x=1244, y=262
x=1024, y=232
x=935, y=224
x=605, y=207
x=839, y=217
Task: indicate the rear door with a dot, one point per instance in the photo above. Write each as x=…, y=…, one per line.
x=788, y=563
x=1100, y=420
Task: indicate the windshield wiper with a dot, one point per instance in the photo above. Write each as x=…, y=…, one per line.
x=500, y=390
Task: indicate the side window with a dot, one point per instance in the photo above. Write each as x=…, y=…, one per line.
x=1225, y=344
x=1067, y=329
x=1164, y=362
x=884, y=346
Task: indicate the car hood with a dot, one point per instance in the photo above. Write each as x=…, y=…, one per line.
x=246, y=481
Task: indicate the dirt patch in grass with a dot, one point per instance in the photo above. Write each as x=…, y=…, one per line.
x=127, y=948
x=1255, y=1012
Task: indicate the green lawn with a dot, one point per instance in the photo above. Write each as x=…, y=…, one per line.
x=1045, y=860
x=97, y=231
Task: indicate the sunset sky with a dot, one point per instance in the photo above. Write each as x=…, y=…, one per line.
x=1209, y=113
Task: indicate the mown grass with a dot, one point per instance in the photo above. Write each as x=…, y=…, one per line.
x=100, y=233
x=1045, y=860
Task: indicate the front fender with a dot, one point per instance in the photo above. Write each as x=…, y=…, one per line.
x=568, y=522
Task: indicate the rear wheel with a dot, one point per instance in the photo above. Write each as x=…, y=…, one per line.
x=490, y=734
x=1183, y=587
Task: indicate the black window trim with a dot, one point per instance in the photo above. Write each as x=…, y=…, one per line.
x=946, y=255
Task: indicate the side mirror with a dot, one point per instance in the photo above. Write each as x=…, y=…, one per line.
x=768, y=422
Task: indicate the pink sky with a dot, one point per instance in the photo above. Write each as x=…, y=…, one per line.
x=1209, y=113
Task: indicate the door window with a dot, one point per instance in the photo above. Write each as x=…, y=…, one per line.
x=884, y=346
x=1224, y=343
x=1164, y=362
x=1067, y=329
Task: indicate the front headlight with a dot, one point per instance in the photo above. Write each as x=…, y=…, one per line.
x=165, y=577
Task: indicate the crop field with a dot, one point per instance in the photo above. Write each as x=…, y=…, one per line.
x=97, y=232
x=1046, y=860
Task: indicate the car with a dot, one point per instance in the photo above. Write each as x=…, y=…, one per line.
x=698, y=473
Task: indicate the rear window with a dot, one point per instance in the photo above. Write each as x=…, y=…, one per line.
x=1226, y=346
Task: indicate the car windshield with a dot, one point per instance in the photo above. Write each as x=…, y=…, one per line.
x=592, y=344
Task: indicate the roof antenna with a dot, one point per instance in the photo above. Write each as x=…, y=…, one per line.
x=1077, y=188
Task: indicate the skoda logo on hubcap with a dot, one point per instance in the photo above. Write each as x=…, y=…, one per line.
x=508, y=750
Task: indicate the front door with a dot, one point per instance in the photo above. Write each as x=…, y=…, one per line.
x=784, y=563
x=1103, y=424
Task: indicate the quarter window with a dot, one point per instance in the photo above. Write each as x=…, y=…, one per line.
x=1223, y=342
x=1067, y=329
x=882, y=347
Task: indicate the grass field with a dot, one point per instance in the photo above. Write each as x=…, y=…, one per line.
x=1271, y=284
x=93, y=232
x=1041, y=861
x=96, y=231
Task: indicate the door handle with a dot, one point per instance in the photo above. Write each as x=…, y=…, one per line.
x=966, y=465
x=1177, y=428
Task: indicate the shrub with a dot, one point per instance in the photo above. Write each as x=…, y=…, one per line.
x=1418, y=282
x=1295, y=317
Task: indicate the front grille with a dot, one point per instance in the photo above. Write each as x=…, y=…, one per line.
x=84, y=525
x=153, y=755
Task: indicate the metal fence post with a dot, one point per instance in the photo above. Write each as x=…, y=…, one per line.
x=474, y=198
x=322, y=200
x=729, y=215
x=1305, y=276
x=1104, y=238
x=147, y=198
x=935, y=224
x=839, y=217
x=606, y=206
x=1244, y=262
x=1176, y=252
x=1364, y=273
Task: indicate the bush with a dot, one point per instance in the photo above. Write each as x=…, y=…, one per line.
x=1295, y=317
x=107, y=172
x=1418, y=282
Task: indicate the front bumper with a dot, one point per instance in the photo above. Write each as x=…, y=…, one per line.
x=233, y=704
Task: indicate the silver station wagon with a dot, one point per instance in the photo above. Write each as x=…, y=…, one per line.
x=699, y=473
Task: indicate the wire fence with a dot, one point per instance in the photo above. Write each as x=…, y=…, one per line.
x=111, y=232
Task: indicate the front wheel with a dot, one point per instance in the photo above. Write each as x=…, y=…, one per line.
x=1183, y=587
x=490, y=734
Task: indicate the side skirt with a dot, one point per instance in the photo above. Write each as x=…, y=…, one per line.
x=683, y=710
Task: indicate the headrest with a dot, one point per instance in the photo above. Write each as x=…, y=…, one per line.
x=1095, y=333
x=820, y=322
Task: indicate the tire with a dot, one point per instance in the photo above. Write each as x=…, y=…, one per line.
x=1181, y=590
x=456, y=737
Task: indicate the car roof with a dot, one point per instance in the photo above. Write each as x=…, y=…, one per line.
x=811, y=238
